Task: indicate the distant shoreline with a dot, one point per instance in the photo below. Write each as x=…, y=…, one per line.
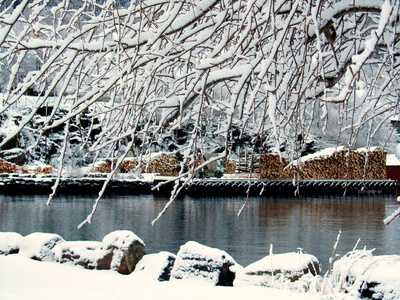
x=22, y=184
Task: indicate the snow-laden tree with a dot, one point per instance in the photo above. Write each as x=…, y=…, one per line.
x=280, y=70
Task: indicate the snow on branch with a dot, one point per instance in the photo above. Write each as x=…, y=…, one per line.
x=282, y=71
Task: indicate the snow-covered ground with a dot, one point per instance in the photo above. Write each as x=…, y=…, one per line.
x=195, y=272
x=22, y=278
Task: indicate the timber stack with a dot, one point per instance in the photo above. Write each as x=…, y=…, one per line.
x=275, y=167
x=11, y=168
x=108, y=165
x=129, y=165
x=43, y=170
x=342, y=164
x=230, y=167
x=248, y=163
x=164, y=164
x=7, y=167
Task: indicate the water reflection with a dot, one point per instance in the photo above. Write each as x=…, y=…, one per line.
x=287, y=223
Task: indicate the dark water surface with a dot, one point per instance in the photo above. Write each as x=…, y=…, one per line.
x=288, y=223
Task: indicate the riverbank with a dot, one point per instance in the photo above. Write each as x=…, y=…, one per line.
x=47, y=267
x=150, y=183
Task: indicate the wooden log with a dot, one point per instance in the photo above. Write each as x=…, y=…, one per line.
x=7, y=167
x=341, y=164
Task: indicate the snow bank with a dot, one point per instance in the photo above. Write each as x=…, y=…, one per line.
x=358, y=274
x=9, y=242
x=120, y=239
x=39, y=245
x=74, y=252
x=156, y=266
x=361, y=274
x=22, y=278
x=124, y=248
x=277, y=268
x=202, y=263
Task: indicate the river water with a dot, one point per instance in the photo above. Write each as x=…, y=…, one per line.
x=287, y=223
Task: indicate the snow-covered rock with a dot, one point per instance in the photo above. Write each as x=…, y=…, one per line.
x=75, y=252
x=39, y=245
x=15, y=156
x=155, y=266
x=121, y=251
x=361, y=274
x=211, y=265
x=281, y=268
x=9, y=242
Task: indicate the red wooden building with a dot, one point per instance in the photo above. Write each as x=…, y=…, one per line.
x=392, y=167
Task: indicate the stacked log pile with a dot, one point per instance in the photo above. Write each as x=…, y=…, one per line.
x=43, y=170
x=248, y=163
x=230, y=167
x=105, y=167
x=129, y=165
x=7, y=167
x=341, y=164
x=346, y=165
x=164, y=164
x=274, y=167
x=108, y=165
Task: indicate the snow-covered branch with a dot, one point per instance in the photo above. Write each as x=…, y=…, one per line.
x=281, y=71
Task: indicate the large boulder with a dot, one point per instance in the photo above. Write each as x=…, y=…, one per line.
x=121, y=251
x=155, y=266
x=363, y=275
x=39, y=246
x=9, y=242
x=15, y=156
x=211, y=265
x=76, y=252
x=277, y=268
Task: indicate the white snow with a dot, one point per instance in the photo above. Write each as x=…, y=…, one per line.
x=9, y=241
x=121, y=239
x=93, y=256
x=195, y=249
x=151, y=266
x=39, y=245
x=22, y=278
x=286, y=261
x=357, y=267
x=392, y=160
x=323, y=153
x=330, y=151
x=276, y=269
x=77, y=248
x=200, y=263
x=25, y=278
